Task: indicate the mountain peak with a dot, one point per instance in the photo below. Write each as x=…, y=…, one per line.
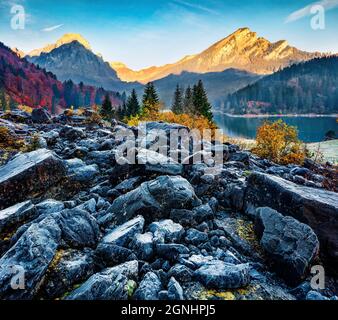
x=71, y=37
x=65, y=39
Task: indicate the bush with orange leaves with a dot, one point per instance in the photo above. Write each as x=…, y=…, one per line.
x=191, y=121
x=278, y=142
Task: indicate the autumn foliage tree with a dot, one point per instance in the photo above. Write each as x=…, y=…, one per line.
x=278, y=142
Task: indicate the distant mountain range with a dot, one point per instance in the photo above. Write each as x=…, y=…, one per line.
x=229, y=65
x=242, y=50
x=24, y=83
x=307, y=87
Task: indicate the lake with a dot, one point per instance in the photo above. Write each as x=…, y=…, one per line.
x=311, y=129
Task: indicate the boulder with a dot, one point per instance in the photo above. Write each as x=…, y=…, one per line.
x=72, y=268
x=220, y=275
x=110, y=284
x=124, y=233
x=143, y=246
x=72, y=133
x=314, y=207
x=153, y=199
x=149, y=287
x=30, y=257
x=155, y=162
x=196, y=237
x=110, y=254
x=181, y=272
x=41, y=115
x=79, y=228
x=28, y=175
x=49, y=206
x=175, y=291
x=79, y=172
x=171, y=251
x=17, y=214
x=166, y=231
x=291, y=245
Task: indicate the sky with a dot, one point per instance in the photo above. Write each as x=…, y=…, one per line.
x=142, y=33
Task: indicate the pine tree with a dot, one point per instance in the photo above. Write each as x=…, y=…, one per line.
x=202, y=106
x=177, y=106
x=150, y=102
x=132, y=105
x=188, y=103
x=106, y=109
x=3, y=103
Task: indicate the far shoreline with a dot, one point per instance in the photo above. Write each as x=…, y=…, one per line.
x=310, y=115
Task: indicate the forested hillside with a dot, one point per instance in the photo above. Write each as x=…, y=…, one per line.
x=21, y=82
x=308, y=87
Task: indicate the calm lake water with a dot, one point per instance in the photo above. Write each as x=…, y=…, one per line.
x=311, y=129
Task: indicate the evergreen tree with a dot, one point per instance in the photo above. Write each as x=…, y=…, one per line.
x=3, y=103
x=132, y=105
x=106, y=109
x=188, y=103
x=178, y=106
x=202, y=106
x=150, y=102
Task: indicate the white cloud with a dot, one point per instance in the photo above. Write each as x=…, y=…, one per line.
x=196, y=7
x=49, y=29
x=306, y=11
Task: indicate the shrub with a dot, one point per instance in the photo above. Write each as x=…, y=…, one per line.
x=9, y=141
x=95, y=118
x=279, y=143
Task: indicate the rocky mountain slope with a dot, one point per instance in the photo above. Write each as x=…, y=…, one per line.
x=24, y=83
x=242, y=50
x=84, y=226
x=74, y=61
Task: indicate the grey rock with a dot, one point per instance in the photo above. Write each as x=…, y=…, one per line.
x=40, y=115
x=175, y=291
x=19, y=213
x=153, y=199
x=110, y=254
x=181, y=272
x=110, y=284
x=143, y=246
x=314, y=295
x=171, y=251
x=166, y=231
x=124, y=233
x=79, y=228
x=49, y=206
x=196, y=237
x=73, y=267
x=314, y=207
x=220, y=275
x=29, y=174
x=72, y=133
x=291, y=245
x=149, y=287
x=32, y=255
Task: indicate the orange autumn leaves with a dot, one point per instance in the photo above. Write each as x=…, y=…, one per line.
x=278, y=142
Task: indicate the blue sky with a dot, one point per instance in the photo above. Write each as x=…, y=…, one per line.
x=142, y=33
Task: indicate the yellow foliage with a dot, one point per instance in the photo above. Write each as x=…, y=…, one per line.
x=191, y=121
x=8, y=141
x=25, y=108
x=279, y=142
